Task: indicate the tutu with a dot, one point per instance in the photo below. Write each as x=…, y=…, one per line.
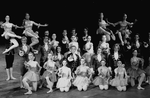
x=135, y=73
x=63, y=82
x=52, y=76
x=81, y=81
x=147, y=70
x=118, y=82
x=100, y=81
x=32, y=76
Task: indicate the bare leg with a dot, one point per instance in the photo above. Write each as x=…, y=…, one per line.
x=34, y=86
x=13, y=35
x=15, y=44
x=79, y=88
x=140, y=81
x=27, y=86
x=11, y=72
x=132, y=82
x=8, y=74
x=120, y=37
x=50, y=85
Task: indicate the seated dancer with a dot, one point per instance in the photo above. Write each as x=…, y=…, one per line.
x=103, y=30
x=64, y=82
x=50, y=74
x=104, y=74
x=121, y=78
x=32, y=75
x=83, y=75
x=135, y=71
x=24, y=50
x=28, y=24
x=124, y=32
x=9, y=34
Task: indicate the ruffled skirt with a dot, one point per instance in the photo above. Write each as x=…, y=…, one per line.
x=63, y=82
x=81, y=81
x=119, y=82
x=100, y=81
x=52, y=76
x=32, y=76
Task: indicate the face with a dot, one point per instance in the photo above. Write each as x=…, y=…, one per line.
x=64, y=63
x=99, y=51
x=49, y=56
x=125, y=16
x=103, y=38
x=116, y=48
x=136, y=37
x=54, y=36
x=82, y=61
x=103, y=63
x=65, y=32
x=46, y=33
x=31, y=56
x=58, y=49
x=85, y=31
x=119, y=63
x=135, y=52
x=7, y=18
x=89, y=38
x=101, y=15
x=27, y=16
x=46, y=40
x=73, y=49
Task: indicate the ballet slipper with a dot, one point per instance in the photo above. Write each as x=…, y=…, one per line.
x=50, y=91
x=28, y=93
x=7, y=79
x=140, y=88
x=13, y=78
x=6, y=50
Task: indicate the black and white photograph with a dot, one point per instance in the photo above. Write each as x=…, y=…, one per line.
x=75, y=49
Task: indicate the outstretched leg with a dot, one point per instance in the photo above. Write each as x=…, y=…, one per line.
x=142, y=76
x=15, y=44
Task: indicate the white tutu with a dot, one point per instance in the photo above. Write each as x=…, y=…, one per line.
x=81, y=81
x=63, y=82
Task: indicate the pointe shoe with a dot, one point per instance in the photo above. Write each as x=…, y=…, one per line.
x=13, y=78
x=28, y=93
x=140, y=88
x=7, y=79
x=50, y=91
x=6, y=50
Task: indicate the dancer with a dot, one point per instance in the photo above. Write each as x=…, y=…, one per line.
x=9, y=34
x=103, y=30
x=135, y=71
x=32, y=74
x=50, y=73
x=89, y=46
x=28, y=24
x=85, y=37
x=64, y=82
x=104, y=74
x=121, y=77
x=82, y=79
x=124, y=32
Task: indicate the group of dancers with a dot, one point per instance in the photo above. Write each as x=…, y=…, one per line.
x=119, y=59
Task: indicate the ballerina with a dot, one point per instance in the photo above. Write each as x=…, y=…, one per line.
x=121, y=78
x=104, y=74
x=9, y=34
x=28, y=24
x=64, y=82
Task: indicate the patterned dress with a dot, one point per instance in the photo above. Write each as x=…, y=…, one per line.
x=50, y=71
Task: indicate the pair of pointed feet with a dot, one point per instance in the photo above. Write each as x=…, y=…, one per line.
x=140, y=88
x=12, y=78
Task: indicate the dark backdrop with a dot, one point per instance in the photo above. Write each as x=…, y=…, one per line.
x=75, y=14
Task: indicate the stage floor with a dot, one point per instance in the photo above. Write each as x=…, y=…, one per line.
x=10, y=89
